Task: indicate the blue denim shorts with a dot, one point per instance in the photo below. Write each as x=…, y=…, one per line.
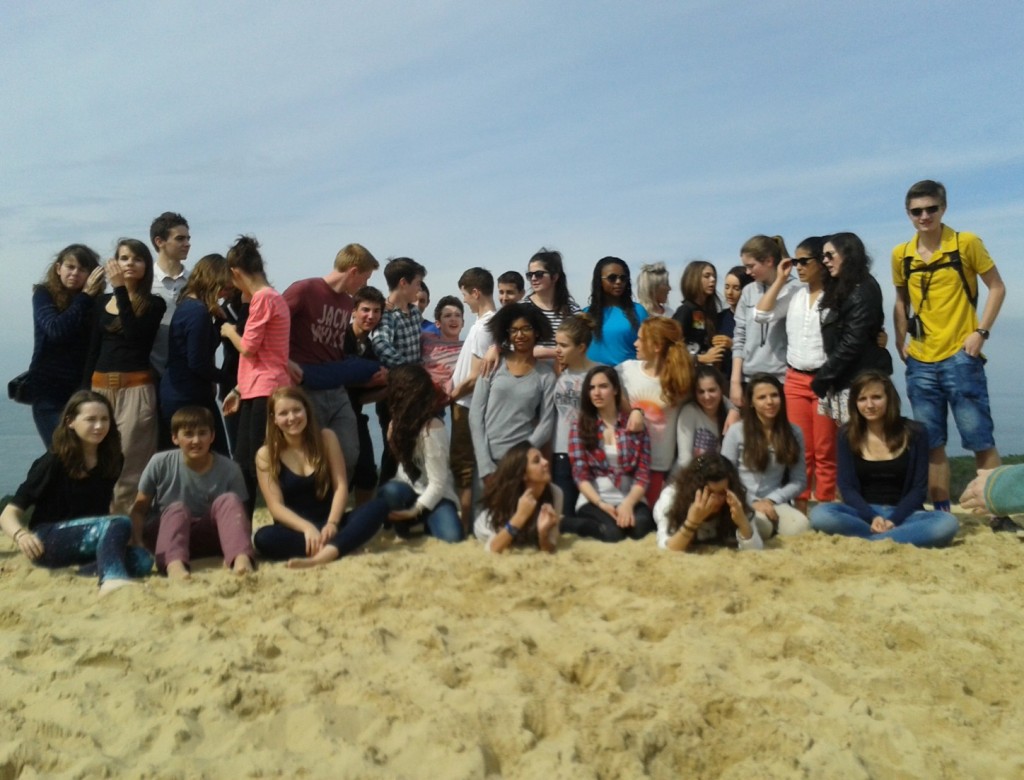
x=957, y=383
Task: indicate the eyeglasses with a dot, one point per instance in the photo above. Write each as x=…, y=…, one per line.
x=526, y=330
x=830, y=256
x=929, y=210
x=531, y=275
x=615, y=278
x=802, y=261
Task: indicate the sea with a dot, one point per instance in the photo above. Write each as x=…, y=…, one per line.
x=20, y=445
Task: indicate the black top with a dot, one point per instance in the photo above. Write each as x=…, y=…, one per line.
x=882, y=480
x=354, y=346
x=850, y=339
x=57, y=497
x=128, y=348
x=299, y=495
x=696, y=329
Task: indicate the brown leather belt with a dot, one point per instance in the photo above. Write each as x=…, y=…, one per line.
x=116, y=381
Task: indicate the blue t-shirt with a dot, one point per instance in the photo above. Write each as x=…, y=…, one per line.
x=618, y=335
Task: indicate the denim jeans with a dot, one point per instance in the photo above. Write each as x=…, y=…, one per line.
x=958, y=381
x=46, y=415
x=100, y=539
x=922, y=528
x=442, y=522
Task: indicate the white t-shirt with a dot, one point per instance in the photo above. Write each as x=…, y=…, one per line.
x=476, y=344
x=645, y=393
x=568, y=389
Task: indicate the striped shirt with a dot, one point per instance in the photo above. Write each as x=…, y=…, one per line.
x=266, y=335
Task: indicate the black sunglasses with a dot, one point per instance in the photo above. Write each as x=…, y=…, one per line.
x=616, y=278
x=536, y=274
x=802, y=261
x=924, y=210
x=829, y=255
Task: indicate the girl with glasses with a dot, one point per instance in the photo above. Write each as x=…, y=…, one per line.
x=516, y=402
x=616, y=315
x=851, y=325
x=805, y=355
x=550, y=294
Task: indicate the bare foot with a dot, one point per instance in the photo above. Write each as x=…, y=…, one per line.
x=327, y=554
x=176, y=570
x=109, y=586
x=242, y=565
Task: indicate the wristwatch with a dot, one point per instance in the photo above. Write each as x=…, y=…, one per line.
x=985, y=333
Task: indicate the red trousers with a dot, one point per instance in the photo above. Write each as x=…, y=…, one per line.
x=819, y=435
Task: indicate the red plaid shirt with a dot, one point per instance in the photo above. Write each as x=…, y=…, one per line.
x=634, y=455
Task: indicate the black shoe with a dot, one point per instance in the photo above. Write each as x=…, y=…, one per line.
x=1003, y=525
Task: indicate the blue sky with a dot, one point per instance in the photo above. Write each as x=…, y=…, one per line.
x=472, y=134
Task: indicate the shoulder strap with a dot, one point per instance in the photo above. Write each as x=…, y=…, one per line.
x=953, y=262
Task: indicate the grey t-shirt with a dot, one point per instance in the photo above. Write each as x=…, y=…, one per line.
x=167, y=479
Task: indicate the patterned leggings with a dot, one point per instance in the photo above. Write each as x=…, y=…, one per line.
x=100, y=539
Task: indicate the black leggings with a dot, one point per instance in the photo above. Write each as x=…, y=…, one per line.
x=595, y=523
x=252, y=430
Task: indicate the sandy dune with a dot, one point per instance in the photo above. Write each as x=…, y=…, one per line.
x=819, y=658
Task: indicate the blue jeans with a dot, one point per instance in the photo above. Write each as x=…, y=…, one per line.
x=561, y=475
x=46, y=415
x=959, y=382
x=922, y=528
x=88, y=539
x=442, y=522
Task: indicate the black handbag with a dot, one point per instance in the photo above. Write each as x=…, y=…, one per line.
x=19, y=389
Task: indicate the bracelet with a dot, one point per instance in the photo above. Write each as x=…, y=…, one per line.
x=512, y=530
x=691, y=528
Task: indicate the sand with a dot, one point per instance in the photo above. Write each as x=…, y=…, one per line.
x=820, y=657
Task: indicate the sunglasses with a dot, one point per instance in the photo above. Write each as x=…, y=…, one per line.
x=536, y=274
x=929, y=210
x=615, y=278
x=830, y=256
x=802, y=261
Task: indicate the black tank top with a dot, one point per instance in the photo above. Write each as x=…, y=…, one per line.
x=299, y=495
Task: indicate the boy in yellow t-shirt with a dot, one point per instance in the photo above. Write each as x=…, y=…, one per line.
x=936, y=277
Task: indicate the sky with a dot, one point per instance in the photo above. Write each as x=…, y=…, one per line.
x=465, y=134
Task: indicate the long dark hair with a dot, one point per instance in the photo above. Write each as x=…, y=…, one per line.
x=587, y=420
x=711, y=467
x=143, y=290
x=757, y=444
x=552, y=262
x=708, y=371
x=855, y=269
x=62, y=296
x=68, y=447
x=599, y=301
x=691, y=285
x=501, y=494
x=413, y=400
x=894, y=425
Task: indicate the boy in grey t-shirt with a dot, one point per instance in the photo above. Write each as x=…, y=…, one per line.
x=193, y=500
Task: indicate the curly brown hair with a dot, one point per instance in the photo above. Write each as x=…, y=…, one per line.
x=701, y=471
x=501, y=495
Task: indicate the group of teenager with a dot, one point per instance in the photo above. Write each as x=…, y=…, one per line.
x=716, y=423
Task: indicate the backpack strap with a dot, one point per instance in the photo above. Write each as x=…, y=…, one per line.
x=953, y=262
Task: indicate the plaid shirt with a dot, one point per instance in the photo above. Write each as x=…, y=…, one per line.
x=634, y=455
x=397, y=338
